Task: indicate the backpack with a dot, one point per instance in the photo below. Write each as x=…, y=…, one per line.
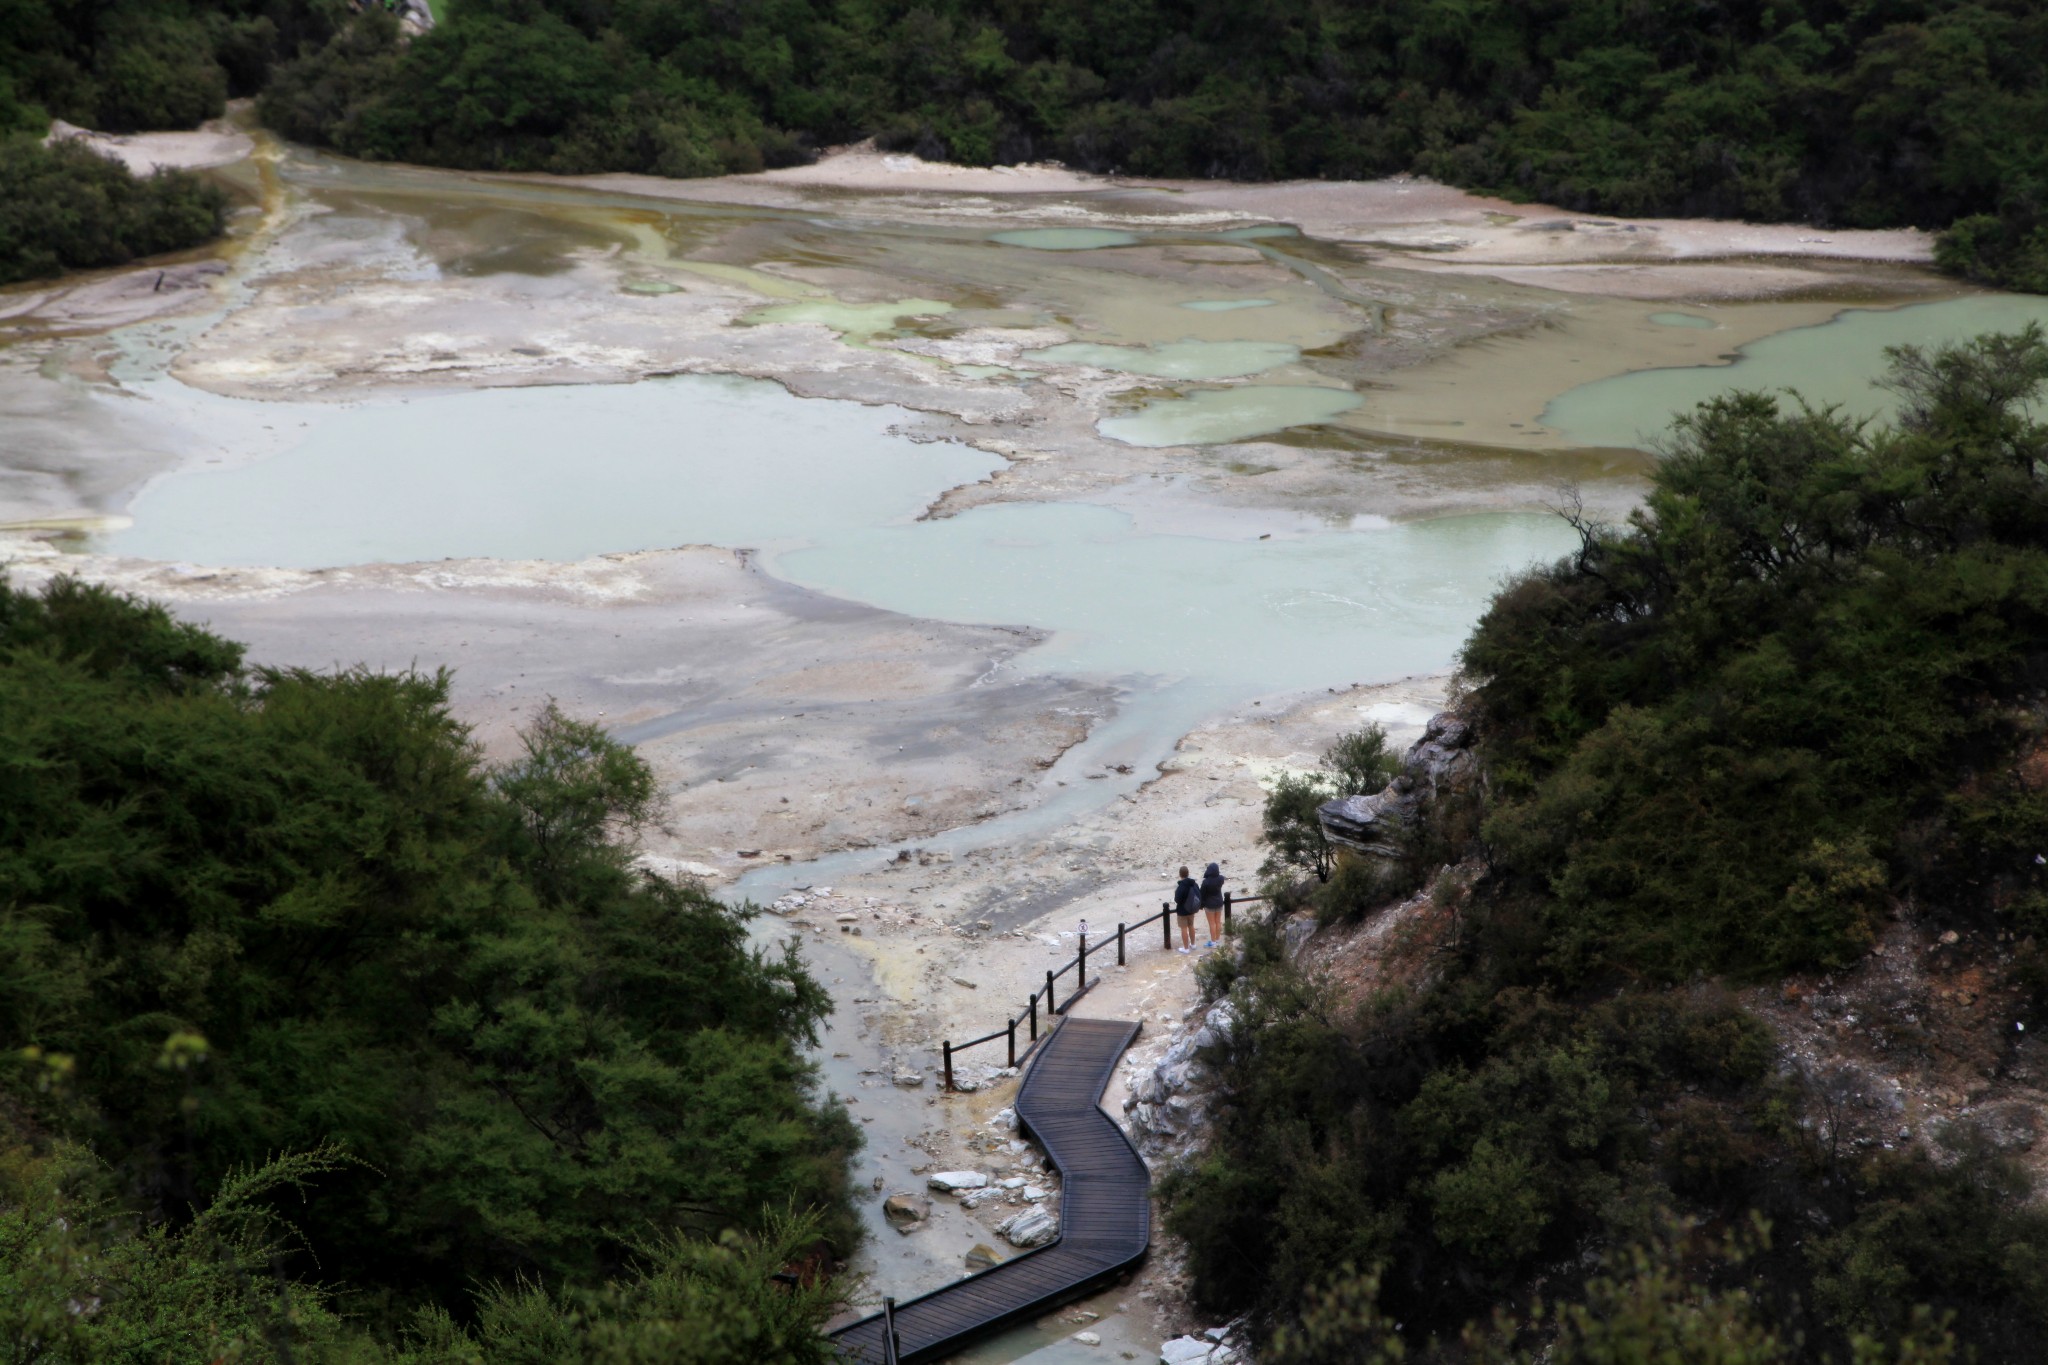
x=1188, y=895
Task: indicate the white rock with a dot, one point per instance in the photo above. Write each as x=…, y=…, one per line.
x=1216, y=1333
x=1015, y=1182
x=1088, y=1338
x=1034, y=1193
x=1185, y=1351
x=1033, y=1227
x=1006, y=1119
x=952, y=1182
x=909, y=1080
x=673, y=868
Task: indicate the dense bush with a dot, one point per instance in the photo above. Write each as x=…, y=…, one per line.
x=1795, y=686
x=1839, y=111
x=1802, y=685
x=78, y=1287
x=2009, y=250
x=251, y=913
x=1851, y=112
x=127, y=65
x=1452, y=1135
x=1418, y=1160
x=65, y=208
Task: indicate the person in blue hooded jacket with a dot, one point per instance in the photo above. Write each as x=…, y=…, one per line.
x=1212, y=902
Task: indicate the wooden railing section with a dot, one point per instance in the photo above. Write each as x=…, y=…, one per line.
x=1054, y=1007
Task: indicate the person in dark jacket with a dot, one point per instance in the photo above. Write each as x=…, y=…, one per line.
x=1187, y=898
x=1212, y=902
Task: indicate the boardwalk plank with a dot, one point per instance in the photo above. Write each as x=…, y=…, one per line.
x=1105, y=1212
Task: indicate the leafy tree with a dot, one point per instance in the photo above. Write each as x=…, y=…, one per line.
x=310, y=892
x=1292, y=830
x=1361, y=760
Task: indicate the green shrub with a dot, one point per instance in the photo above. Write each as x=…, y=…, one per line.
x=2006, y=251
x=63, y=207
x=1361, y=760
x=1360, y=885
x=1962, y=1235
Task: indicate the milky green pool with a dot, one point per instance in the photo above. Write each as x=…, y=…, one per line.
x=1243, y=614
x=1831, y=363
x=559, y=472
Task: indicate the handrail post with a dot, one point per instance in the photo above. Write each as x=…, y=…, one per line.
x=1166, y=925
x=1119, y=943
x=891, y=1348
x=1050, y=1007
x=948, y=1046
x=1226, y=914
x=1081, y=977
x=1013, y=1042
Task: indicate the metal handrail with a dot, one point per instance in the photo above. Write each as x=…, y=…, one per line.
x=891, y=1348
x=1053, y=1007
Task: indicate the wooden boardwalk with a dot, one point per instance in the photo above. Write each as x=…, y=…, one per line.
x=1105, y=1210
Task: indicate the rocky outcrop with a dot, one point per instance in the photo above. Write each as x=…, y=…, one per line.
x=1439, y=770
x=1166, y=1110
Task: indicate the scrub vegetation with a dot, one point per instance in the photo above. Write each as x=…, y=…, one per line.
x=1797, y=697
x=63, y=207
x=319, y=1037
x=1854, y=113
